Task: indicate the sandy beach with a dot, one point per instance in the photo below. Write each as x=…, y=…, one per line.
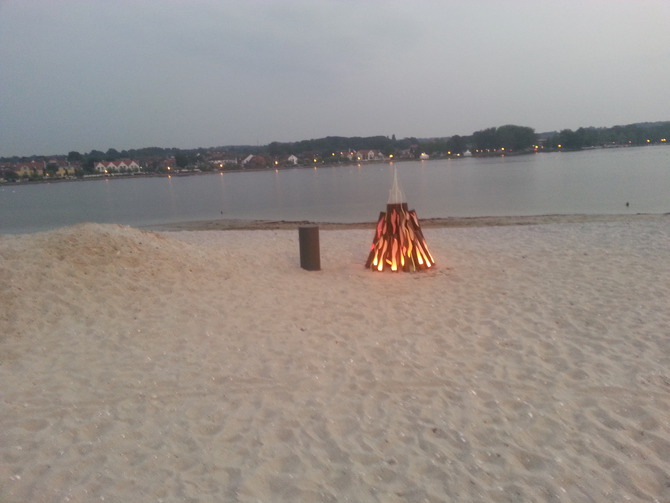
x=531, y=364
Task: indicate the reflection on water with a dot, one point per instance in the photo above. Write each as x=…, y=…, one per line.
x=590, y=182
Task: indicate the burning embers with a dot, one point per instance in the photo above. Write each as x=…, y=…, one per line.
x=399, y=244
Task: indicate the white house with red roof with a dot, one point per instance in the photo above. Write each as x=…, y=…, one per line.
x=366, y=155
x=118, y=166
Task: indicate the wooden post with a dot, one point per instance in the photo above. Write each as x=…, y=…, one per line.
x=309, y=247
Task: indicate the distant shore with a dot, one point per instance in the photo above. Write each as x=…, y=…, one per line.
x=189, y=172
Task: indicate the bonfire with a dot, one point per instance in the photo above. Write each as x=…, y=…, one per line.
x=399, y=244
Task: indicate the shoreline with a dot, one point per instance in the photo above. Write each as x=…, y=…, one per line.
x=441, y=222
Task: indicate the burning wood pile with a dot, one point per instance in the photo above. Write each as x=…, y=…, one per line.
x=399, y=244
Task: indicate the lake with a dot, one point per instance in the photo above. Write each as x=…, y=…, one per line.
x=597, y=181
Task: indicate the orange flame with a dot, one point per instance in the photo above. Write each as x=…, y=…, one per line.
x=399, y=242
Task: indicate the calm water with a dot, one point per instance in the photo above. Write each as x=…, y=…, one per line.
x=589, y=182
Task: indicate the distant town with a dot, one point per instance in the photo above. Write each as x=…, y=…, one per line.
x=332, y=150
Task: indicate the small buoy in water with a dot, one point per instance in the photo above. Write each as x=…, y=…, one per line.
x=627, y=204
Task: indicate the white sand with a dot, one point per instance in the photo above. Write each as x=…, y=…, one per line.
x=532, y=364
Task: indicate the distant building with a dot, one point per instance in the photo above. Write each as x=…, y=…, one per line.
x=366, y=155
x=59, y=167
x=255, y=161
x=119, y=166
x=223, y=163
x=30, y=169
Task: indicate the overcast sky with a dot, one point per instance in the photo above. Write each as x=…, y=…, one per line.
x=98, y=74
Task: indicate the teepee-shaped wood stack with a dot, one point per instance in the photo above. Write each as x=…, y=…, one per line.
x=399, y=244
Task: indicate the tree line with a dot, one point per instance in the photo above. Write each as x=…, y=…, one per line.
x=489, y=141
x=496, y=140
x=642, y=133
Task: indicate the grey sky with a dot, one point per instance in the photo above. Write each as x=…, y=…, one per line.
x=98, y=74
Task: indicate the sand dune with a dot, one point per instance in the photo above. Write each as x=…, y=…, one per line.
x=532, y=364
